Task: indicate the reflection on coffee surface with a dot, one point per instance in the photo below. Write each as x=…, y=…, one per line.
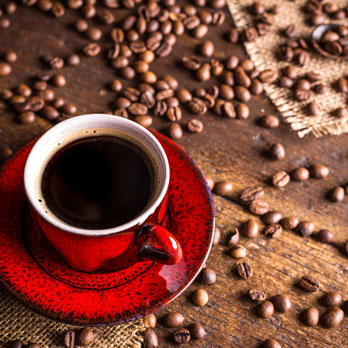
x=98, y=182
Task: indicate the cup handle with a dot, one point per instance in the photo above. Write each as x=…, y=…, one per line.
x=150, y=235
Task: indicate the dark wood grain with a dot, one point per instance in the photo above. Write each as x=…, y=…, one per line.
x=227, y=149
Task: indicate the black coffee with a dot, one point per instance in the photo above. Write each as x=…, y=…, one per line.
x=98, y=182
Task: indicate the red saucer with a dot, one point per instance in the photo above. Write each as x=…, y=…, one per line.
x=36, y=275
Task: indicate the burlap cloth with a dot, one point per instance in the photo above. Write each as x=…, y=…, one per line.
x=263, y=53
x=19, y=322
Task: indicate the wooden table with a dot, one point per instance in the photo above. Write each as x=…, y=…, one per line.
x=227, y=149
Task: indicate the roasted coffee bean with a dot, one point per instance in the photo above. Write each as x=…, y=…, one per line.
x=273, y=230
x=181, y=336
x=132, y=94
x=342, y=85
x=333, y=317
x=218, y=108
x=148, y=99
x=217, y=67
x=183, y=95
x=319, y=171
x=138, y=46
x=195, y=126
x=197, y=106
x=250, y=229
x=197, y=331
x=81, y=25
x=286, y=82
x=4, y=23
x=238, y=251
x=40, y=85
x=160, y=109
x=150, y=338
x=217, y=236
x=86, y=336
x=149, y=77
x=17, y=344
x=69, y=339
x=331, y=299
x=55, y=62
x=227, y=78
x=272, y=217
x=58, y=103
x=218, y=18
x=147, y=56
x=290, y=72
x=120, y=62
x=245, y=270
x=340, y=112
x=210, y=182
x=242, y=93
x=122, y=103
x=144, y=120
x=303, y=84
x=234, y=237
x=172, y=82
x=325, y=236
x=114, y=52
x=165, y=93
x=26, y=117
x=289, y=222
x=125, y=50
x=265, y=310
x=269, y=121
x=229, y=110
x=336, y=195
x=93, y=33
x=173, y=319
x=241, y=77
x=309, y=284
x=223, y=188
x=310, y=316
x=92, y=49
x=200, y=31
x=226, y=92
x=69, y=109
x=6, y=94
x=150, y=321
x=5, y=69
x=203, y=73
x=24, y=90
x=232, y=62
x=175, y=131
x=300, y=174
x=49, y=112
x=281, y=303
x=271, y=343
x=258, y=207
x=174, y=114
x=303, y=58
x=252, y=193
x=121, y=113
x=58, y=80
x=242, y=111
x=280, y=179
x=11, y=56
x=305, y=228
x=200, y=297
x=291, y=31
x=250, y=34
x=313, y=109
x=208, y=276
x=35, y=103
x=116, y=86
x=207, y=49
x=268, y=76
x=5, y=152
x=141, y=67
x=257, y=295
x=277, y=151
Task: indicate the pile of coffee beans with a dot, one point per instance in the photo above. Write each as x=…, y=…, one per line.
x=295, y=50
x=335, y=41
x=318, y=11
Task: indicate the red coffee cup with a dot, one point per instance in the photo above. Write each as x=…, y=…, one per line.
x=115, y=248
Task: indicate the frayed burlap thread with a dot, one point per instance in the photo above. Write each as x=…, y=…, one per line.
x=263, y=52
x=19, y=322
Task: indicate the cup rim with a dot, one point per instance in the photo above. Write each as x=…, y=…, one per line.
x=138, y=220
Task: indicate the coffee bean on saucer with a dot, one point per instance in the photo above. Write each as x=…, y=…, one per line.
x=173, y=319
x=265, y=310
x=325, y=236
x=319, y=171
x=272, y=217
x=197, y=331
x=150, y=321
x=208, y=276
x=310, y=316
x=258, y=207
x=271, y=343
x=150, y=338
x=86, y=336
x=257, y=295
x=300, y=174
x=336, y=195
x=17, y=344
x=277, y=151
x=200, y=297
x=331, y=299
x=333, y=317
x=281, y=303
x=217, y=236
x=181, y=336
x=280, y=179
x=175, y=131
x=309, y=284
x=250, y=229
x=305, y=228
x=245, y=270
x=69, y=339
x=223, y=188
x=238, y=251
x=251, y=193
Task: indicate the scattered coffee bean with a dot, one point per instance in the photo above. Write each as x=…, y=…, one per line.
x=310, y=316
x=272, y=217
x=150, y=338
x=250, y=229
x=331, y=299
x=245, y=270
x=257, y=295
x=319, y=171
x=309, y=284
x=223, y=188
x=252, y=193
x=69, y=339
x=238, y=251
x=242, y=93
x=144, y=120
x=5, y=69
x=210, y=182
x=217, y=236
x=258, y=207
x=300, y=174
x=181, y=336
x=26, y=117
x=265, y=310
x=281, y=303
x=197, y=331
x=11, y=56
x=86, y=336
x=58, y=80
x=273, y=231
x=234, y=237
x=92, y=49
x=150, y=321
x=325, y=236
x=277, y=151
x=200, y=297
x=289, y=222
x=271, y=343
x=242, y=111
x=207, y=49
x=280, y=179
x=333, y=317
x=269, y=121
x=305, y=228
x=208, y=276
x=336, y=195
x=195, y=126
x=173, y=319
x=49, y=112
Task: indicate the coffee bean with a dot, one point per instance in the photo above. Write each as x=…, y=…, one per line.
x=86, y=336
x=138, y=109
x=150, y=338
x=333, y=317
x=24, y=90
x=272, y=217
x=5, y=152
x=257, y=295
x=175, y=131
x=310, y=316
x=207, y=49
x=340, y=112
x=250, y=229
x=271, y=343
x=93, y=33
x=286, y=82
x=197, y=331
x=300, y=174
x=197, y=106
x=26, y=117
x=238, y=251
x=183, y=95
x=173, y=319
x=269, y=121
x=210, y=182
x=241, y=77
x=289, y=222
x=282, y=303
x=58, y=10
x=181, y=336
x=305, y=228
x=309, y=284
x=144, y=120
x=6, y=94
x=277, y=151
x=331, y=299
x=92, y=49
x=258, y=207
x=17, y=344
x=229, y=110
x=226, y=92
x=273, y=230
x=280, y=179
x=303, y=84
x=268, y=76
x=234, y=237
x=58, y=80
x=223, y=188
x=69, y=339
x=49, y=112
x=172, y=82
x=141, y=67
x=121, y=113
x=5, y=69
x=250, y=34
x=149, y=77
x=291, y=31
x=208, y=276
x=242, y=111
x=242, y=93
x=150, y=321
x=40, y=85
x=232, y=62
x=200, y=31
x=195, y=126
x=203, y=73
x=303, y=58
x=265, y=310
x=325, y=236
x=244, y=270
x=200, y=297
x=337, y=194
x=69, y=109
x=251, y=193
x=147, y=56
x=217, y=236
x=11, y=56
